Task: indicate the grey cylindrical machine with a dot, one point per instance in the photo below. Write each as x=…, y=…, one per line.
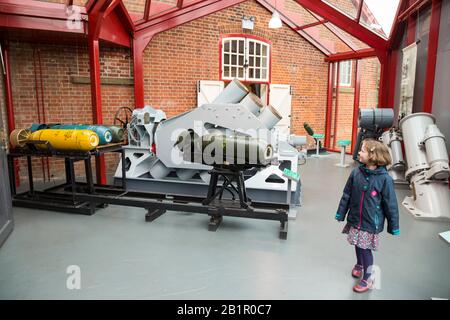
x=117, y=133
x=393, y=141
x=376, y=118
x=437, y=155
x=413, y=129
x=297, y=141
x=205, y=176
x=233, y=93
x=397, y=154
x=217, y=150
x=185, y=174
x=252, y=103
x=159, y=170
x=269, y=116
x=435, y=145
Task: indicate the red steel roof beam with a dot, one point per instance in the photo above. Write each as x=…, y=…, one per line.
x=39, y=16
x=36, y=9
x=35, y=23
x=110, y=8
x=309, y=25
x=148, y=4
x=358, y=16
x=180, y=16
x=349, y=55
x=168, y=12
x=394, y=36
x=411, y=9
x=96, y=16
x=345, y=23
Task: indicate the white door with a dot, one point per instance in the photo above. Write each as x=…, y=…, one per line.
x=281, y=99
x=207, y=91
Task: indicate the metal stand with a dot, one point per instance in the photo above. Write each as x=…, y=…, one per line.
x=229, y=176
x=86, y=198
x=342, y=163
x=60, y=197
x=317, y=136
x=153, y=214
x=343, y=144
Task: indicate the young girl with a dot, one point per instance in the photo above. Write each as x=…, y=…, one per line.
x=368, y=199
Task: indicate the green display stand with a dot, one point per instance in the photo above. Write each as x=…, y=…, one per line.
x=343, y=144
x=317, y=136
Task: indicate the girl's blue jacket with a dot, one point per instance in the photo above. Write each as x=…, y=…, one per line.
x=368, y=199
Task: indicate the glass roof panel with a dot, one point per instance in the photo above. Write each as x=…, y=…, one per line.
x=378, y=15
x=80, y=3
x=327, y=39
x=351, y=41
x=293, y=11
x=136, y=7
x=349, y=7
x=330, y=37
x=189, y=2
x=160, y=6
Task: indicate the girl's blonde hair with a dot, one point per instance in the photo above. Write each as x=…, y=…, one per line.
x=378, y=152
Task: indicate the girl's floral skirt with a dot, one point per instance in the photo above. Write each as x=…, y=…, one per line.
x=360, y=238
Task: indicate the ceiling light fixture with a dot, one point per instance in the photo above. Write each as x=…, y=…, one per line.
x=275, y=21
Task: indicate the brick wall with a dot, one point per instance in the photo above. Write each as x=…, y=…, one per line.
x=62, y=98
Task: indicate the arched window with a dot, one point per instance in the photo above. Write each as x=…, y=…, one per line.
x=247, y=59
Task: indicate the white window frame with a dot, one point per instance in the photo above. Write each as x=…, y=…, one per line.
x=248, y=58
x=345, y=73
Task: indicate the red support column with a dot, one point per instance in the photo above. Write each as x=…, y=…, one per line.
x=8, y=90
x=356, y=104
x=392, y=76
x=387, y=80
x=411, y=33
x=383, y=85
x=96, y=97
x=96, y=17
x=336, y=107
x=139, y=45
x=329, y=104
x=9, y=101
x=432, y=55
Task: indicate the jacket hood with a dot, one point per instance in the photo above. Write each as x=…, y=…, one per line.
x=378, y=171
